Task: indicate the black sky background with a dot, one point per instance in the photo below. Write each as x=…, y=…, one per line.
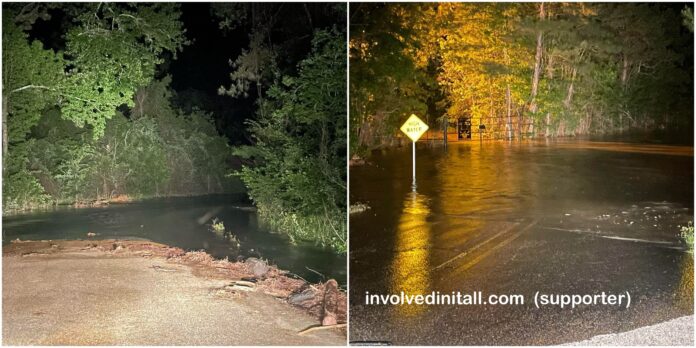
x=202, y=67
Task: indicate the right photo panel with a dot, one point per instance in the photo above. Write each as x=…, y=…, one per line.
x=521, y=173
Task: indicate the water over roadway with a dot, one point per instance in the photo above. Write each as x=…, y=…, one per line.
x=567, y=217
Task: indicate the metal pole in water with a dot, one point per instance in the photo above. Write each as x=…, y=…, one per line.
x=413, y=186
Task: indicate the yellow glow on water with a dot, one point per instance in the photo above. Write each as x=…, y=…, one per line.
x=627, y=147
x=410, y=268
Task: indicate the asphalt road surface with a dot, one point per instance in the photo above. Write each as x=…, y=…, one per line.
x=93, y=298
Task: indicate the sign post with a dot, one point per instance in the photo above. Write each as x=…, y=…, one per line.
x=414, y=128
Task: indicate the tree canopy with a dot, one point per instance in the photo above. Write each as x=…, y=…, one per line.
x=75, y=130
x=521, y=69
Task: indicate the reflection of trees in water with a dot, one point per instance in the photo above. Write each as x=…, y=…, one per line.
x=481, y=179
x=410, y=268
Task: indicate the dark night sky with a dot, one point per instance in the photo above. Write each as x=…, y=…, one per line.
x=203, y=66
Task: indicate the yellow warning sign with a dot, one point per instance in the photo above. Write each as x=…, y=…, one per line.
x=414, y=127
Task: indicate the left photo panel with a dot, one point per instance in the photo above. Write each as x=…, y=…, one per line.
x=174, y=174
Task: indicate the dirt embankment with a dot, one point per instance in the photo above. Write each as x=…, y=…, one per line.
x=134, y=292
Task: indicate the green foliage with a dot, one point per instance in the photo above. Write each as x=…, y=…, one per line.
x=160, y=154
x=113, y=52
x=67, y=142
x=687, y=234
x=297, y=178
x=328, y=230
x=21, y=190
x=688, y=21
x=218, y=226
x=25, y=65
x=278, y=36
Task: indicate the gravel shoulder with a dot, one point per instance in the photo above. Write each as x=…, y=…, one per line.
x=84, y=293
x=675, y=332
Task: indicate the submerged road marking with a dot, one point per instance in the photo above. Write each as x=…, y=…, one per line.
x=569, y=230
x=497, y=246
x=637, y=240
x=467, y=252
x=610, y=237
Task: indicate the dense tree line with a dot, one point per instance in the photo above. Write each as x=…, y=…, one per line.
x=521, y=69
x=296, y=166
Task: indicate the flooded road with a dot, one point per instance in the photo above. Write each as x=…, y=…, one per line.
x=184, y=223
x=567, y=217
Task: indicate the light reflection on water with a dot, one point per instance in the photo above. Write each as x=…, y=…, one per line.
x=410, y=267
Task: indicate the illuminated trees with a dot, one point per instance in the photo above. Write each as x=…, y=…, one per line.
x=296, y=172
x=525, y=69
x=484, y=72
x=385, y=82
x=66, y=135
x=30, y=73
x=295, y=166
x=110, y=52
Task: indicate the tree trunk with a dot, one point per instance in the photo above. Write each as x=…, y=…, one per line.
x=537, y=64
x=571, y=89
x=624, y=72
x=509, y=110
x=5, y=138
x=445, y=125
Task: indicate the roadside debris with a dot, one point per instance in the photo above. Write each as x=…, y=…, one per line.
x=325, y=300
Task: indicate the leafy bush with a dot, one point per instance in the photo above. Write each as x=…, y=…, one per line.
x=687, y=234
x=22, y=190
x=297, y=176
x=218, y=226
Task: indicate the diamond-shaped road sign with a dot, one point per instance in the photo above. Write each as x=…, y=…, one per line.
x=414, y=127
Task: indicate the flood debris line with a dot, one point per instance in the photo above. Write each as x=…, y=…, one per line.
x=325, y=301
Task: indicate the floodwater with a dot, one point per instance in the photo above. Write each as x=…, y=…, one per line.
x=184, y=223
x=561, y=217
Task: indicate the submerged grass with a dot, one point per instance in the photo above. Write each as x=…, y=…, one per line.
x=327, y=230
x=687, y=234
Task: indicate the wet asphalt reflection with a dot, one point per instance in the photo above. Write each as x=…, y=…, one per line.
x=567, y=218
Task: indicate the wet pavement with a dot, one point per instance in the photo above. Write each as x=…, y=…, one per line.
x=557, y=218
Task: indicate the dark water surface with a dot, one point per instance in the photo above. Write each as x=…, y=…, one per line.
x=181, y=222
x=567, y=217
